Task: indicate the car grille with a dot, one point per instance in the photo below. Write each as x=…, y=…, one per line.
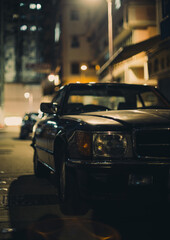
x=152, y=143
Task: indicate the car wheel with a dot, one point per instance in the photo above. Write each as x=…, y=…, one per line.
x=71, y=202
x=39, y=169
x=24, y=134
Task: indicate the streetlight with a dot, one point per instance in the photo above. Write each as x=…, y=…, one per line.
x=54, y=78
x=83, y=67
x=110, y=32
x=110, y=20
x=110, y=27
x=2, y=63
x=51, y=77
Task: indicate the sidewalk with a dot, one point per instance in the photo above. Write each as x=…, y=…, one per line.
x=9, y=128
x=2, y=128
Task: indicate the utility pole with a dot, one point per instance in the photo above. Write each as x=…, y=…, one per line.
x=110, y=27
x=110, y=33
x=1, y=61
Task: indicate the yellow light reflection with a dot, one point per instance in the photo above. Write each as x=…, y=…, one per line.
x=73, y=228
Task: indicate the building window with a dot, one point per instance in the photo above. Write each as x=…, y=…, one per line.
x=156, y=67
x=162, y=63
x=74, y=15
x=168, y=61
x=150, y=67
x=75, y=42
x=39, y=6
x=32, y=6
x=165, y=8
x=75, y=68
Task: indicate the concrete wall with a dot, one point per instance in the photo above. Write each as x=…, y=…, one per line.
x=15, y=104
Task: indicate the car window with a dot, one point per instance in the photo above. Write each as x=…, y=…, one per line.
x=104, y=98
x=148, y=98
x=107, y=101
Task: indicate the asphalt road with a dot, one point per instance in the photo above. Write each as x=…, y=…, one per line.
x=29, y=207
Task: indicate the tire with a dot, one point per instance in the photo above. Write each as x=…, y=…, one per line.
x=70, y=200
x=73, y=204
x=24, y=134
x=40, y=170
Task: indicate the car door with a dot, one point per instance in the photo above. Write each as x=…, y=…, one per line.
x=54, y=126
x=41, y=140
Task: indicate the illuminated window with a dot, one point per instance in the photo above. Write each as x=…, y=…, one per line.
x=15, y=15
x=57, y=32
x=38, y=6
x=117, y=4
x=35, y=6
x=23, y=28
x=32, y=6
x=33, y=28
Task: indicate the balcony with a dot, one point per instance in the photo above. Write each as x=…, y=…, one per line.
x=139, y=15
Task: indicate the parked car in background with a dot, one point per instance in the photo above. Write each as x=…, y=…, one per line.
x=27, y=124
x=105, y=141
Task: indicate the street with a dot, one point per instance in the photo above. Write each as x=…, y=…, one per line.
x=29, y=207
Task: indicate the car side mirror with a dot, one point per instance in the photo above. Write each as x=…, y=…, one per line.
x=49, y=108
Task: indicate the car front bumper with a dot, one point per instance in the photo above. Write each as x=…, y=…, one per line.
x=121, y=180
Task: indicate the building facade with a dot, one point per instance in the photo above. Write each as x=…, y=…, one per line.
x=27, y=29
x=83, y=39
x=159, y=56
x=74, y=54
x=134, y=22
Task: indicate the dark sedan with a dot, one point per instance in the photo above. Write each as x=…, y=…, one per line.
x=105, y=141
x=27, y=124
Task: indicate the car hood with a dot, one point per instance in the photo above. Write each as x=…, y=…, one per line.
x=128, y=118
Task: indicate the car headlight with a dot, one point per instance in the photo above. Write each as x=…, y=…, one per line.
x=92, y=145
x=109, y=144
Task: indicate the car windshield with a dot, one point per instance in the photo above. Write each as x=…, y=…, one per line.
x=88, y=98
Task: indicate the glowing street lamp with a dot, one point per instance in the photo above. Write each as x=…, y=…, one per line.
x=26, y=95
x=51, y=77
x=83, y=67
x=54, y=78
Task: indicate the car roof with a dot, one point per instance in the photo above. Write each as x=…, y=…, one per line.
x=70, y=85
